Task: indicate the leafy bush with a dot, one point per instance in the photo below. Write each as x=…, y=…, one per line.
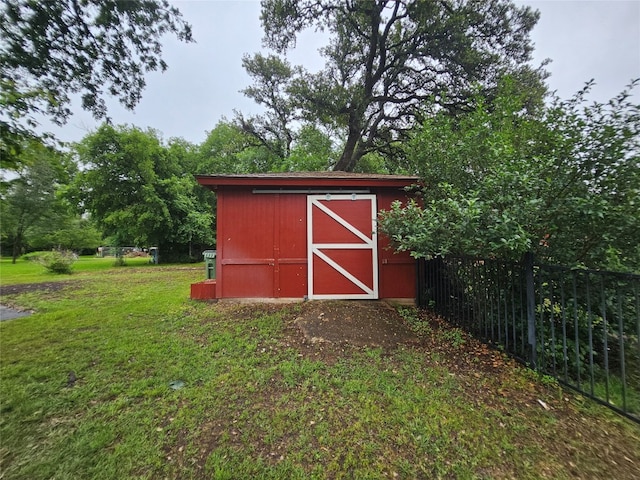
x=496, y=182
x=60, y=262
x=120, y=261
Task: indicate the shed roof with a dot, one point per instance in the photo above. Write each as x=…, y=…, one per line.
x=308, y=179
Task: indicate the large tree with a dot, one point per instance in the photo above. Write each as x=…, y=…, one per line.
x=386, y=58
x=66, y=230
x=230, y=148
x=29, y=201
x=294, y=141
x=52, y=49
x=138, y=192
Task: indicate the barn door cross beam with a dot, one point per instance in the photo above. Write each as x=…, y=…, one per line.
x=349, y=256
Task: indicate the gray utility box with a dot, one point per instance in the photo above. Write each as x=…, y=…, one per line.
x=210, y=263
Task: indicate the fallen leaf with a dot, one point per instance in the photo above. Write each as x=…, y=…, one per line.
x=544, y=405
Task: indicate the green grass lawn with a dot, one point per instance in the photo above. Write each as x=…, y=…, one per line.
x=87, y=393
x=29, y=271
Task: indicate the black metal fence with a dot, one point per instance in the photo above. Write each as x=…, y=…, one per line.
x=579, y=326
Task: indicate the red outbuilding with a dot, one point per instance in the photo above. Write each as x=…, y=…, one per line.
x=306, y=235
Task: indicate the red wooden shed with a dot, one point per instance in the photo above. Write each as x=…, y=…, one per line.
x=306, y=235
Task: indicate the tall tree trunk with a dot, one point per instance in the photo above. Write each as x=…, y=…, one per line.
x=348, y=159
x=345, y=164
x=17, y=246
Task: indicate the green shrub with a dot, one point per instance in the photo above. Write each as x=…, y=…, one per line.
x=57, y=261
x=120, y=261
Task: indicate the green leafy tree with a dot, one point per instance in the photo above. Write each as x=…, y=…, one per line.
x=312, y=150
x=52, y=49
x=138, y=192
x=564, y=184
x=295, y=143
x=385, y=59
x=228, y=149
x=68, y=231
x=191, y=219
x=29, y=201
x=273, y=130
x=231, y=148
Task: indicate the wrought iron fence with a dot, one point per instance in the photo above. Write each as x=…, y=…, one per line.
x=579, y=326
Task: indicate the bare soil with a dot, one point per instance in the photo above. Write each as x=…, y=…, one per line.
x=358, y=323
x=34, y=287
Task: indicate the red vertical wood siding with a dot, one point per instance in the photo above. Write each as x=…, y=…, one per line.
x=245, y=244
x=262, y=247
x=397, y=270
x=261, y=244
x=292, y=243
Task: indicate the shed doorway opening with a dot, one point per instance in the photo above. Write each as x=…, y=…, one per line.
x=342, y=247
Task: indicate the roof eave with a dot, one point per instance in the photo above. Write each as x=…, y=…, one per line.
x=214, y=181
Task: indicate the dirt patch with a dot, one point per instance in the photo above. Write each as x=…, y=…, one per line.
x=358, y=323
x=35, y=287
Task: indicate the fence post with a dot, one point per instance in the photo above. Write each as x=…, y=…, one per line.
x=421, y=282
x=531, y=309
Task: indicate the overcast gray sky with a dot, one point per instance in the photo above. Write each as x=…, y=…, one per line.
x=584, y=40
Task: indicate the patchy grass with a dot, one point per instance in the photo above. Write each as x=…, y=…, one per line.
x=86, y=393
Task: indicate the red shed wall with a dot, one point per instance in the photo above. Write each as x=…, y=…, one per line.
x=261, y=244
x=262, y=247
x=397, y=270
